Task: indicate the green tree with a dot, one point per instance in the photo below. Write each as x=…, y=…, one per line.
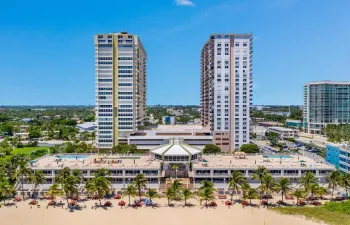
x=299, y=193
x=6, y=189
x=69, y=186
x=206, y=194
x=5, y=147
x=236, y=181
x=187, y=194
x=251, y=194
x=177, y=187
x=102, y=172
x=99, y=185
x=170, y=194
x=250, y=148
x=268, y=185
x=54, y=190
x=62, y=174
x=334, y=180
x=22, y=171
x=212, y=149
x=284, y=186
x=130, y=191
x=152, y=193
x=37, y=177
x=307, y=181
x=140, y=183
x=259, y=173
x=321, y=191
x=345, y=181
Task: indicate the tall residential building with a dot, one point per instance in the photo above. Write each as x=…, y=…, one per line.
x=325, y=102
x=226, y=88
x=120, y=62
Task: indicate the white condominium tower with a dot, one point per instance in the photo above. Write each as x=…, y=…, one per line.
x=226, y=88
x=120, y=62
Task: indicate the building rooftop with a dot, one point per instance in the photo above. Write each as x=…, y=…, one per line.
x=282, y=129
x=95, y=162
x=329, y=82
x=175, y=148
x=252, y=162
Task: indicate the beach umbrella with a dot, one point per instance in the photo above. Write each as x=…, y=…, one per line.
x=302, y=161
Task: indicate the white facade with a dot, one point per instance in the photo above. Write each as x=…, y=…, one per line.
x=120, y=86
x=227, y=88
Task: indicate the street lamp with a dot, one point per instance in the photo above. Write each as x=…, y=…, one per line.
x=176, y=174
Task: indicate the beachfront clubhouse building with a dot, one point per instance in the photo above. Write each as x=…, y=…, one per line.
x=191, y=166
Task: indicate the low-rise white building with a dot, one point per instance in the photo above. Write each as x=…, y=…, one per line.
x=284, y=132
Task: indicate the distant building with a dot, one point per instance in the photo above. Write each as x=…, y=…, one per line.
x=284, y=132
x=294, y=123
x=277, y=113
x=87, y=126
x=169, y=120
x=26, y=120
x=338, y=155
x=176, y=112
x=258, y=107
x=24, y=136
x=325, y=102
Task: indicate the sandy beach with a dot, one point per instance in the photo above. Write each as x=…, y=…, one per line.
x=160, y=215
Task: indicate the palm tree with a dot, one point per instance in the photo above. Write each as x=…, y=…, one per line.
x=236, y=181
x=245, y=187
x=140, y=183
x=314, y=188
x=69, y=186
x=170, y=194
x=299, y=193
x=21, y=172
x=62, y=174
x=334, y=180
x=206, y=184
x=307, y=181
x=251, y=194
x=5, y=189
x=54, y=190
x=152, y=193
x=187, y=194
x=283, y=185
x=177, y=187
x=259, y=173
x=175, y=167
x=130, y=191
x=78, y=174
x=99, y=185
x=345, y=181
x=321, y=191
x=206, y=194
x=102, y=172
x=268, y=185
x=37, y=178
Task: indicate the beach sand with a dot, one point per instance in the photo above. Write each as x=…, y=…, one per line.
x=221, y=215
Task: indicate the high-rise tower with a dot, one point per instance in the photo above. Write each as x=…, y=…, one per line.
x=226, y=88
x=120, y=62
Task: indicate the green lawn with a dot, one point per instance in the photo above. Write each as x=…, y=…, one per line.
x=317, y=214
x=27, y=150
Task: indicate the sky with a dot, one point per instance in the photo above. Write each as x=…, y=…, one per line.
x=47, y=49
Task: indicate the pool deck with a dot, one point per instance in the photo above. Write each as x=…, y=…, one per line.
x=253, y=161
x=96, y=162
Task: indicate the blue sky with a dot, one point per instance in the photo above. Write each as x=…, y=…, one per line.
x=47, y=50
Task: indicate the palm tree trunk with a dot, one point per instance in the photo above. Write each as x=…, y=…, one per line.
x=232, y=195
x=206, y=203
x=140, y=193
x=99, y=199
x=22, y=187
x=250, y=201
x=282, y=196
x=67, y=201
x=129, y=199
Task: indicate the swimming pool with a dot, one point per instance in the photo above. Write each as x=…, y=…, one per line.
x=72, y=156
x=278, y=156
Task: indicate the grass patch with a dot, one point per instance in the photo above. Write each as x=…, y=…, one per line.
x=317, y=214
x=27, y=150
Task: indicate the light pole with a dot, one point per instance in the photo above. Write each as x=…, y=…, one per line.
x=224, y=184
x=176, y=174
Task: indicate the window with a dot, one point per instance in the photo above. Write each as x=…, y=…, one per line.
x=100, y=36
x=237, y=44
x=245, y=44
x=124, y=84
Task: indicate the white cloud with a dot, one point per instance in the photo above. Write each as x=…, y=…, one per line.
x=184, y=2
